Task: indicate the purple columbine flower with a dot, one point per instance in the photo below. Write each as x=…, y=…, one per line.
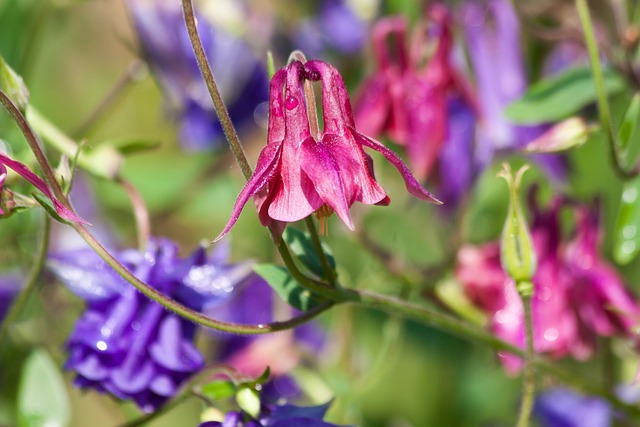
x=336, y=27
x=241, y=78
x=22, y=170
x=128, y=345
x=565, y=408
x=10, y=284
x=577, y=296
x=492, y=33
x=277, y=416
x=299, y=173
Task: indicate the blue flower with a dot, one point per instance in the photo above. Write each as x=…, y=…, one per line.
x=128, y=345
x=564, y=408
x=277, y=416
x=241, y=78
x=10, y=284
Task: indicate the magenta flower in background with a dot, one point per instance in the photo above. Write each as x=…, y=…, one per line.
x=22, y=170
x=299, y=173
x=128, y=345
x=241, y=77
x=429, y=108
x=577, y=296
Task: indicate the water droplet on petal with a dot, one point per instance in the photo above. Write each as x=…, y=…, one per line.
x=101, y=345
x=551, y=334
x=291, y=103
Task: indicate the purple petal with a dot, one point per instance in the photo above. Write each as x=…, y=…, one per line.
x=564, y=408
x=172, y=351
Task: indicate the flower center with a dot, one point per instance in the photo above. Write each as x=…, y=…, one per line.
x=323, y=213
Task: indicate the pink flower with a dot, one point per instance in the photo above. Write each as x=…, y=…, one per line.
x=23, y=170
x=299, y=173
x=409, y=101
x=577, y=296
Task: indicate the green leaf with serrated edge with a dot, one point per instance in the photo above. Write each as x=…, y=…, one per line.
x=217, y=390
x=249, y=401
x=42, y=396
x=628, y=125
x=560, y=96
x=301, y=245
x=626, y=239
x=286, y=286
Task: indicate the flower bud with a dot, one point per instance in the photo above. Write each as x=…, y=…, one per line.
x=13, y=85
x=517, y=253
x=569, y=133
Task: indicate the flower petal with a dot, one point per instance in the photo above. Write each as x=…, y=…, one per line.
x=265, y=171
x=411, y=183
x=317, y=161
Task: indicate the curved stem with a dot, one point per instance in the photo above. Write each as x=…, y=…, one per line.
x=221, y=108
x=32, y=280
x=140, y=212
x=604, y=111
x=529, y=376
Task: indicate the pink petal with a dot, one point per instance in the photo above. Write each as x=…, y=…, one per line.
x=265, y=172
x=37, y=182
x=411, y=183
x=317, y=161
x=3, y=176
x=275, y=133
x=372, y=107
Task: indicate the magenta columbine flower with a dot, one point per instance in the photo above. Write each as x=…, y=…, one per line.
x=22, y=170
x=124, y=343
x=299, y=173
x=409, y=101
x=577, y=295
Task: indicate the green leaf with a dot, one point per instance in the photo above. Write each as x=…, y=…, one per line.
x=301, y=245
x=626, y=239
x=286, y=286
x=628, y=125
x=249, y=401
x=13, y=85
x=42, y=396
x=560, y=96
x=217, y=390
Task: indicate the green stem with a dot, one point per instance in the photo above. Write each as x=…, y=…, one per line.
x=604, y=111
x=529, y=376
x=317, y=245
x=140, y=213
x=30, y=285
x=221, y=108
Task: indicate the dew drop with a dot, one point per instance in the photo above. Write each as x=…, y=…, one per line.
x=629, y=195
x=629, y=231
x=551, y=334
x=628, y=247
x=291, y=103
x=101, y=345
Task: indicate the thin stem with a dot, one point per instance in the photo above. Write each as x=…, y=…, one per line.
x=30, y=285
x=221, y=108
x=34, y=144
x=140, y=212
x=317, y=245
x=604, y=111
x=134, y=72
x=529, y=376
